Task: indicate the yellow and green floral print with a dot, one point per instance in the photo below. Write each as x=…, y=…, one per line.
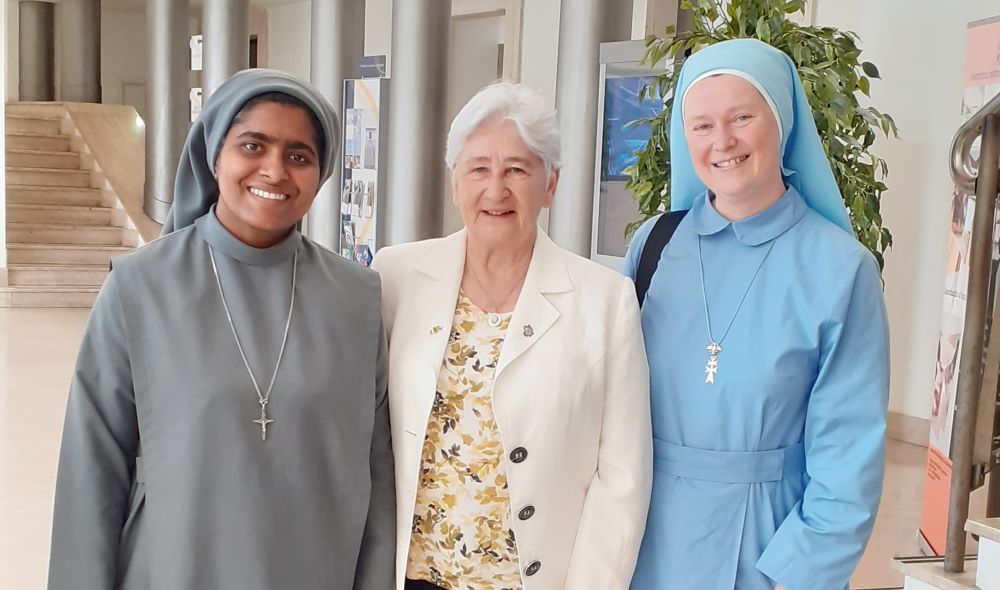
x=462, y=535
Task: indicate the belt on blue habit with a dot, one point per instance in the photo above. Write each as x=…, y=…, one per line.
x=728, y=466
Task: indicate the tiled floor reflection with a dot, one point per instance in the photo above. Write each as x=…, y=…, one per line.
x=37, y=352
x=898, y=518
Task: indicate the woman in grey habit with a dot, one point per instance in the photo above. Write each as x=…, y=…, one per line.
x=227, y=425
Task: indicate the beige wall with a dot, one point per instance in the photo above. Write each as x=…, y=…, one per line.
x=378, y=27
x=289, y=36
x=921, y=63
x=10, y=43
x=123, y=57
x=540, y=46
x=472, y=65
x=3, y=156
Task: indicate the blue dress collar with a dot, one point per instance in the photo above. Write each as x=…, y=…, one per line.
x=757, y=229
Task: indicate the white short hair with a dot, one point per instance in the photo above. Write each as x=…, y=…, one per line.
x=534, y=119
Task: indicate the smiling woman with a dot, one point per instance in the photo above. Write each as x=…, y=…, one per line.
x=528, y=457
x=734, y=139
x=767, y=342
x=268, y=169
x=228, y=424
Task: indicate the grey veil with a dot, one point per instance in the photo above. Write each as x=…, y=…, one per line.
x=195, y=187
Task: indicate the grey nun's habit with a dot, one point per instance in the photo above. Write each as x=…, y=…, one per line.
x=164, y=482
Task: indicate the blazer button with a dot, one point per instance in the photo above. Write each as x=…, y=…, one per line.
x=533, y=568
x=526, y=512
x=519, y=454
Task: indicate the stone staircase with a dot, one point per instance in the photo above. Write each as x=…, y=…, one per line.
x=982, y=571
x=61, y=228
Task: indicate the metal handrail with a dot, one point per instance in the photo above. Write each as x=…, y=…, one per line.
x=985, y=183
x=962, y=170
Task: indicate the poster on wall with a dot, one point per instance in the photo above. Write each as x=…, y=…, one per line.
x=365, y=111
x=981, y=84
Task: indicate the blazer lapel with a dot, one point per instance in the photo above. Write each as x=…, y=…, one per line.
x=534, y=314
x=438, y=277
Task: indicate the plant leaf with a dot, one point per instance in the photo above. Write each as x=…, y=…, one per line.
x=870, y=70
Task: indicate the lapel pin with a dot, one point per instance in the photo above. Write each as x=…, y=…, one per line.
x=436, y=330
x=528, y=331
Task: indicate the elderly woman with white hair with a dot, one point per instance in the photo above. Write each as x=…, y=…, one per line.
x=518, y=383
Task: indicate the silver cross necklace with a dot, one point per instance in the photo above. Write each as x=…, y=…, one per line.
x=715, y=346
x=262, y=398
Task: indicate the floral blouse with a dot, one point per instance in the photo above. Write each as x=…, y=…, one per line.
x=462, y=535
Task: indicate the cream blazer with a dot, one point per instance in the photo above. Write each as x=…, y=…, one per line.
x=571, y=399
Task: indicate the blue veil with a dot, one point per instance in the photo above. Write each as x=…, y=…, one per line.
x=804, y=163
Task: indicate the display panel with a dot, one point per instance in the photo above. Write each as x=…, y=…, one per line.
x=365, y=114
x=622, y=81
x=622, y=107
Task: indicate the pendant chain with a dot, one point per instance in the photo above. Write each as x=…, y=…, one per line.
x=262, y=398
x=496, y=308
x=715, y=346
x=493, y=317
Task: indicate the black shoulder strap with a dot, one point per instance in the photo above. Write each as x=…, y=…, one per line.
x=658, y=238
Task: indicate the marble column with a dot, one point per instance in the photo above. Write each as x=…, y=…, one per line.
x=168, y=114
x=337, y=46
x=226, y=41
x=418, y=121
x=583, y=26
x=36, y=51
x=80, y=52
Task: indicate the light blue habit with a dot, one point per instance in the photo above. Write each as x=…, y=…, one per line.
x=771, y=475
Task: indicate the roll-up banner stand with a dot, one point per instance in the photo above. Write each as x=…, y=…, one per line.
x=981, y=83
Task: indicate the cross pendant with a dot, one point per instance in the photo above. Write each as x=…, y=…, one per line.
x=263, y=421
x=712, y=366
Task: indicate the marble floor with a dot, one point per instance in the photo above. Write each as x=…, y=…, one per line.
x=37, y=351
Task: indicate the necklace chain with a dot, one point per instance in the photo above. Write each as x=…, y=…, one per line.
x=715, y=346
x=496, y=308
x=262, y=398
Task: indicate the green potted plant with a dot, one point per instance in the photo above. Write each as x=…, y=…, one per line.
x=834, y=79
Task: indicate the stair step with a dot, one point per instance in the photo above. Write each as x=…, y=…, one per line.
x=18, y=123
x=43, y=159
x=21, y=253
x=12, y=111
x=52, y=195
x=48, y=177
x=65, y=214
x=35, y=109
x=984, y=527
x=988, y=531
x=36, y=141
x=928, y=572
x=48, y=296
x=54, y=233
x=86, y=275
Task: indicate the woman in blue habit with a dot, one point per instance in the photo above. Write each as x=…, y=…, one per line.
x=767, y=342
